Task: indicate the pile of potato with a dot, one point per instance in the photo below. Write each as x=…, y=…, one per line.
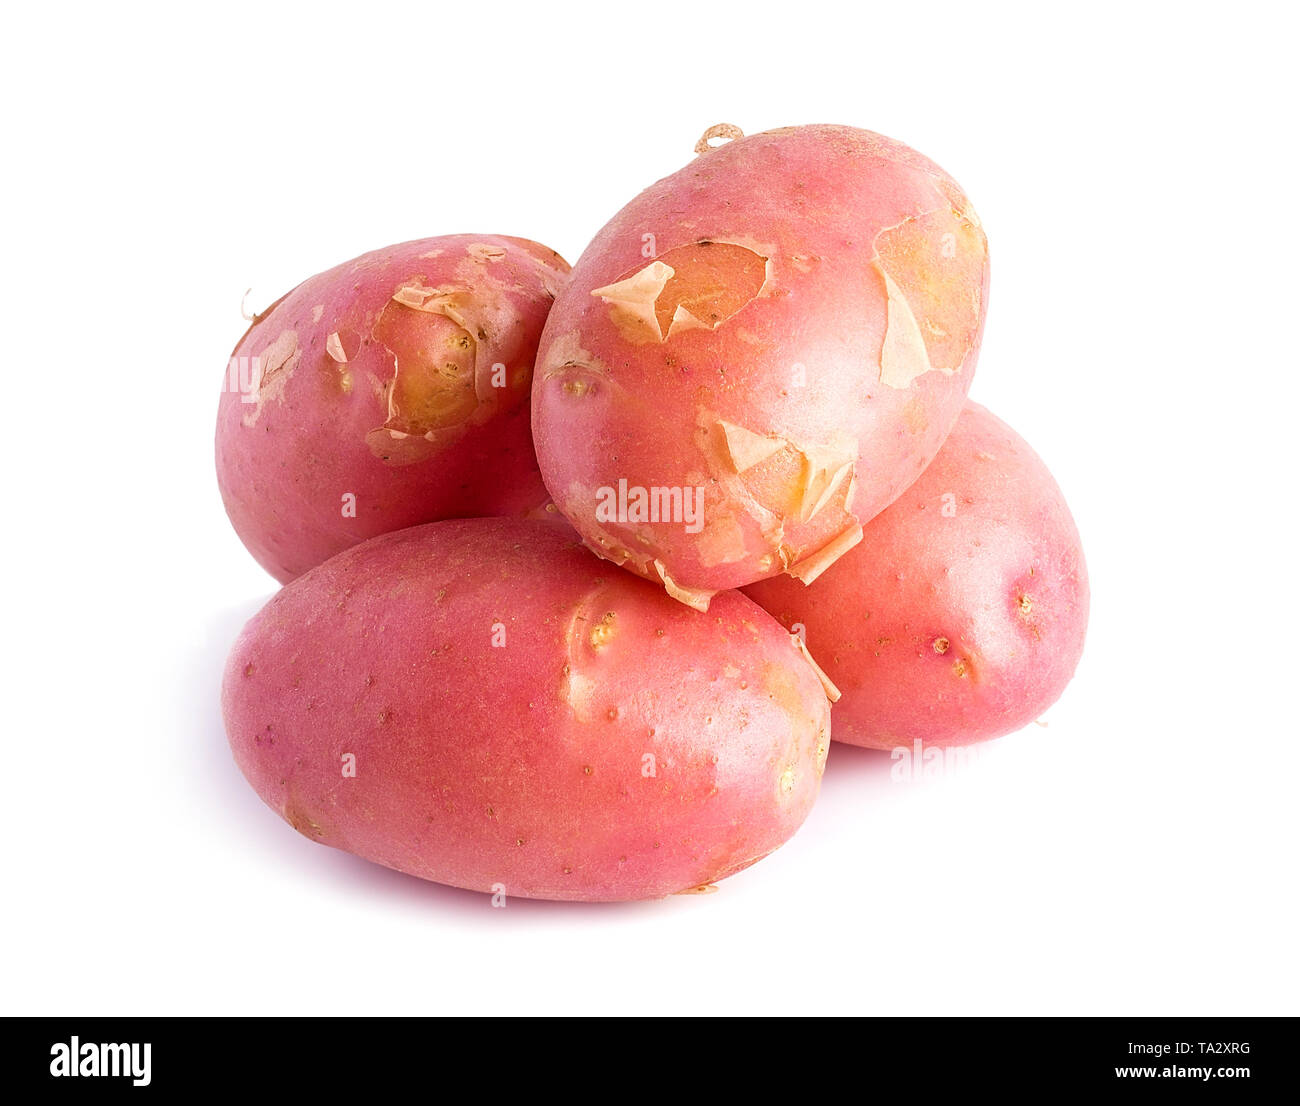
x=576, y=562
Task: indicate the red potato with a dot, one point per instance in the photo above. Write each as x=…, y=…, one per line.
x=522, y=717
x=961, y=616
x=389, y=391
x=758, y=354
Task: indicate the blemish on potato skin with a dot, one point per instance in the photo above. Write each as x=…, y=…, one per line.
x=433, y=383
x=603, y=632
x=298, y=817
x=485, y=252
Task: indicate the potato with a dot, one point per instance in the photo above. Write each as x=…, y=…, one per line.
x=485, y=704
x=758, y=354
x=388, y=391
x=961, y=616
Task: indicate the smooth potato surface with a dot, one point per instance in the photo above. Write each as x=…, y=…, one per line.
x=524, y=717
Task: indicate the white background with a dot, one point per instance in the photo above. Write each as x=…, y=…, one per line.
x=1135, y=169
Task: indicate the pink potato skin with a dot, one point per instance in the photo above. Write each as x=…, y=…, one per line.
x=821, y=362
x=311, y=429
x=950, y=628
x=617, y=746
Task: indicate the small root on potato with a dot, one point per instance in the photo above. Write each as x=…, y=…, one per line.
x=729, y=131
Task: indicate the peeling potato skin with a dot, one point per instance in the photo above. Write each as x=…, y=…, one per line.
x=523, y=765
x=284, y=464
x=613, y=401
x=958, y=629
